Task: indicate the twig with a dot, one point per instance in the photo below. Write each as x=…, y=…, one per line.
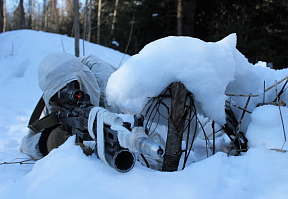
x=243, y=113
x=241, y=95
x=276, y=84
x=213, y=127
x=145, y=107
x=62, y=43
x=154, y=107
x=280, y=93
x=105, y=19
x=190, y=148
x=277, y=97
x=160, y=99
x=280, y=103
x=145, y=160
x=155, y=111
x=239, y=126
x=187, y=138
x=239, y=107
x=279, y=150
x=26, y=161
x=218, y=130
x=166, y=96
x=264, y=93
x=205, y=135
x=131, y=30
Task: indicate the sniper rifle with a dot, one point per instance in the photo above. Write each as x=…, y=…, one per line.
x=74, y=113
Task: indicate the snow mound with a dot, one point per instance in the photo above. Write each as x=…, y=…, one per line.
x=67, y=173
x=204, y=68
x=266, y=127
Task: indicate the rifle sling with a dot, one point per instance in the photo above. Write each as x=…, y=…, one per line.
x=36, y=124
x=45, y=122
x=37, y=111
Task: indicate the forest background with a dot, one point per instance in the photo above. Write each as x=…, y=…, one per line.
x=128, y=25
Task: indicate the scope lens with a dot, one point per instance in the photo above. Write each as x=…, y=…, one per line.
x=77, y=95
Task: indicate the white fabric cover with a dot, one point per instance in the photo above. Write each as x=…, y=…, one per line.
x=103, y=116
x=55, y=71
x=29, y=144
x=127, y=139
x=102, y=71
x=58, y=69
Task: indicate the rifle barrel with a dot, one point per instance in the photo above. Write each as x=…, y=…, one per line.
x=148, y=147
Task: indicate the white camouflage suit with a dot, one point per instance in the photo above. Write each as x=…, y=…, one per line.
x=58, y=69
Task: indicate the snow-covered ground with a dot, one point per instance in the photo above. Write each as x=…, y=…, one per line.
x=68, y=173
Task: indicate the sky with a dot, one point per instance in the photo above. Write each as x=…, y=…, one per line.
x=11, y=5
x=66, y=172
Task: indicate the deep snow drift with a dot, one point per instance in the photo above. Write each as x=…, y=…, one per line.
x=190, y=61
x=68, y=173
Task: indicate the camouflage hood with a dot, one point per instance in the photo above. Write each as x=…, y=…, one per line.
x=58, y=69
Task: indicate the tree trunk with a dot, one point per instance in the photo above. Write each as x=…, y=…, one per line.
x=179, y=18
x=19, y=16
x=39, y=21
x=176, y=121
x=84, y=25
x=76, y=26
x=30, y=14
x=33, y=23
x=49, y=18
x=46, y=18
x=22, y=15
x=85, y=20
x=89, y=19
x=99, y=22
x=193, y=8
x=114, y=17
x=52, y=14
x=2, y=16
x=61, y=17
x=44, y=15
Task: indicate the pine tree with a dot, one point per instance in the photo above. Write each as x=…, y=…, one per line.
x=76, y=26
x=1, y=15
x=19, y=16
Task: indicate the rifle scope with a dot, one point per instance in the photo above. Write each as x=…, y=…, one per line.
x=71, y=93
x=75, y=95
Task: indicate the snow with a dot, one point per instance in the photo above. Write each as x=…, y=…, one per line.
x=267, y=119
x=261, y=63
x=67, y=173
x=176, y=59
x=115, y=43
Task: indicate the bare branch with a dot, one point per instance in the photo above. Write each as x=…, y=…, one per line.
x=241, y=95
x=276, y=84
x=238, y=128
x=277, y=97
x=280, y=93
x=25, y=161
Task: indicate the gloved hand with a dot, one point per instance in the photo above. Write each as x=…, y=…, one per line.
x=86, y=149
x=57, y=137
